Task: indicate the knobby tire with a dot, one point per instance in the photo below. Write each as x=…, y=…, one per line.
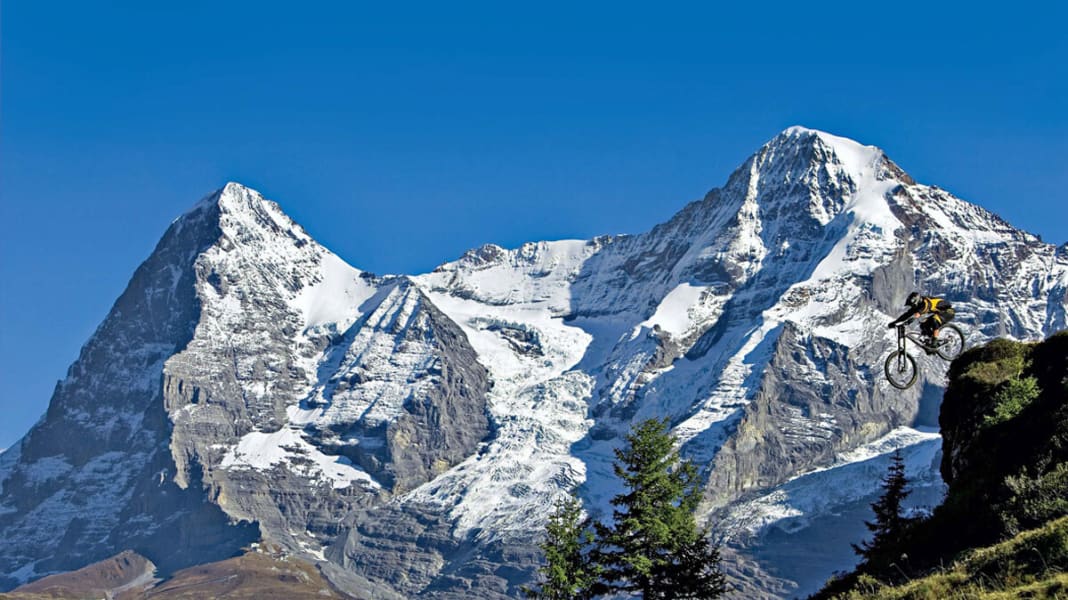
x=954, y=339
x=894, y=373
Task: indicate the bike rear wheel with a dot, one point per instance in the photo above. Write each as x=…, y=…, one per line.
x=952, y=339
x=901, y=370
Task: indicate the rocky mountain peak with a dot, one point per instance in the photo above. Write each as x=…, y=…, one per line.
x=245, y=219
x=803, y=172
x=821, y=146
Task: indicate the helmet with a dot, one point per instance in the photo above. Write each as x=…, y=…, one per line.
x=914, y=300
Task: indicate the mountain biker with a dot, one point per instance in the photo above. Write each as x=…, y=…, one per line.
x=940, y=309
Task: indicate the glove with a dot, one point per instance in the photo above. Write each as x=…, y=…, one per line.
x=892, y=325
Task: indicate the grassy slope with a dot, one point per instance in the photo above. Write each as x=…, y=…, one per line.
x=1032, y=564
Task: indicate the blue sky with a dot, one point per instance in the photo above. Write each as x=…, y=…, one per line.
x=401, y=137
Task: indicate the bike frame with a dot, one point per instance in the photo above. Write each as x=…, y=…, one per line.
x=902, y=334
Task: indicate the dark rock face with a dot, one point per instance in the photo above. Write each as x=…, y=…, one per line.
x=808, y=379
x=91, y=475
x=428, y=370
x=437, y=431
x=413, y=550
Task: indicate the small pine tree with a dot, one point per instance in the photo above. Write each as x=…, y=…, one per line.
x=889, y=521
x=568, y=572
x=695, y=572
x=655, y=546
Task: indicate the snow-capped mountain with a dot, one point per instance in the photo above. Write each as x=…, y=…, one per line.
x=409, y=434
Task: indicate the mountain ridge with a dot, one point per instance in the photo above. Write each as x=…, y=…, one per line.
x=301, y=399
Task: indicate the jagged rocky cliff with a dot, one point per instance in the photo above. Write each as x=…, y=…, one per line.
x=409, y=433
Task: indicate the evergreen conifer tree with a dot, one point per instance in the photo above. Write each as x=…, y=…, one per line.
x=655, y=546
x=889, y=521
x=568, y=572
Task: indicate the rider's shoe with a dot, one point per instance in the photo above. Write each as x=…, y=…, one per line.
x=929, y=344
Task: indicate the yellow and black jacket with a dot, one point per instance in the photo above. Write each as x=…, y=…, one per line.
x=940, y=310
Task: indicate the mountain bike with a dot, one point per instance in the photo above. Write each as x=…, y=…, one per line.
x=901, y=370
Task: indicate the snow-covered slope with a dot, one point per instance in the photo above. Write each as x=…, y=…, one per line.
x=412, y=433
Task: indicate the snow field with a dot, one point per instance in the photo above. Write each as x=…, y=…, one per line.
x=286, y=447
x=539, y=406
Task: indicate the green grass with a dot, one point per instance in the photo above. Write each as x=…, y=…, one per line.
x=995, y=362
x=1033, y=564
x=1011, y=398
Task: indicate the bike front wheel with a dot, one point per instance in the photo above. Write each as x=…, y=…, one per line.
x=952, y=342
x=901, y=370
